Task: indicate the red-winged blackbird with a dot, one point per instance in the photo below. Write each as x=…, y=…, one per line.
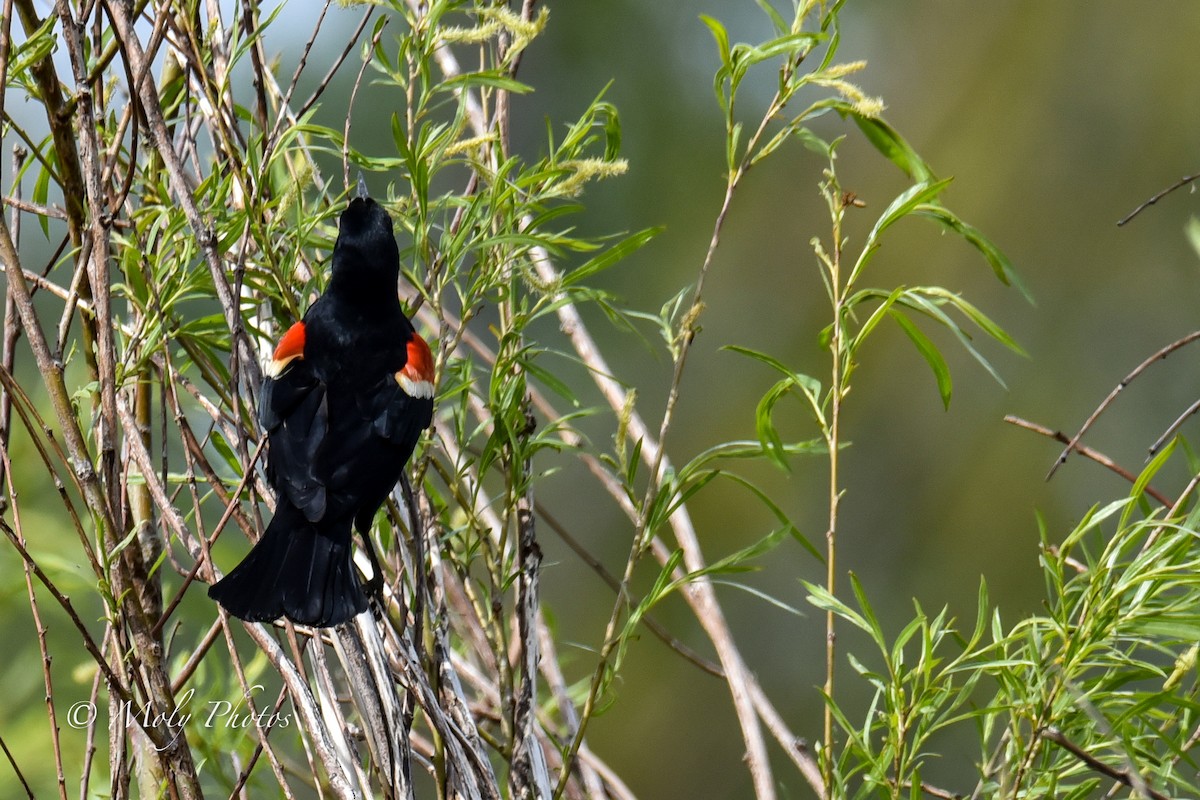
x=347, y=394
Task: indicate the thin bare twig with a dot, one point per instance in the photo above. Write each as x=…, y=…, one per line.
x=183, y=188
x=1174, y=427
x=1088, y=452
x=1179, y=184
x=16, y=769
x=40, y=627
x=339, y=781
x=234, y=499
x=1138, y=370
x=334, y=68
x=50, y=212
x=362, y=71
x=934, y=791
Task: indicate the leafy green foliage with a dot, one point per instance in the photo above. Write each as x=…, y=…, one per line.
x=206, y=270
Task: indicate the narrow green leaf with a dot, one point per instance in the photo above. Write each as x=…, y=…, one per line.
x=873, y=626
x=919, y=194
x=731, y=146
x=790, y=44
x=1147, y=474
x=772, y=144
x=999, y=263
x=815, y=143
x=982, y=606
x=779, y=514
x=810, y=384
x=893, y=146
x=880, y=311
x=672, y=500
x=1092, y=518
x=981, y=320
x=916, y=299
x=492, y=79
x=820, y=597
x=745, y=448
x=764, y=425
x=929, y=352
x=611, y=256
x=775, y=601
x=738, y=561
x=551, y=381
x=663, y=585
x=720, y=35
x=41, y=192
x=777, y=21
x=36, y=47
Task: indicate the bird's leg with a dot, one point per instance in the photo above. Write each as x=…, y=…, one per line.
x=375, y=584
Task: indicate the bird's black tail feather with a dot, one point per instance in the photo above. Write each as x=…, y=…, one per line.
x=299, y=570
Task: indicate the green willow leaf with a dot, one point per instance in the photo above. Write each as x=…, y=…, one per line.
x=619, y=251
x=929, y=352
x=999, y=263
x=917, y=195
x=892, y=145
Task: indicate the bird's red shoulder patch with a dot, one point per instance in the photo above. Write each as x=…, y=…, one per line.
x=416, y=378
x=290, y=347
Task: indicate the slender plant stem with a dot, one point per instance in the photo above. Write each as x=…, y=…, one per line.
x=838, y=378
x=837, y=294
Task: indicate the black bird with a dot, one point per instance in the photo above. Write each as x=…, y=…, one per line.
x=345, y=399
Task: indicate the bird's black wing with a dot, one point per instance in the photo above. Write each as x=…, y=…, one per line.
x=399, y=418
x=294, y=411
x=377, y=434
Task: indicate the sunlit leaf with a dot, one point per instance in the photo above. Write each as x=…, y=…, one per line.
x=893, y=146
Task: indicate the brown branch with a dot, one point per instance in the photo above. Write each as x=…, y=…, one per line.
x=934, y=791
x=528, y=774
x=1138, y=370
x=610, y=580
x=234, y=498
x=195, y=657
x=1174, y=427
x=1179, y=184
x=182, y=187
x=50, y=212
x=362, y=71
x=43, y=647
x=386, y=727
x=59, y=116
x=89, y=747
x=1087, y=452
x=12, y=327
x=1056, y=736
x=20, y=775
x=50, y=366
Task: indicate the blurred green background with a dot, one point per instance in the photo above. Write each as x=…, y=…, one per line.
x=1056, y=120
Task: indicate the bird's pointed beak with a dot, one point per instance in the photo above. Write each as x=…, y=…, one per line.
x=362, y=187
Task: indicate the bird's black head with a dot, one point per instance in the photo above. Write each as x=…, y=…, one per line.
x=366, y=257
